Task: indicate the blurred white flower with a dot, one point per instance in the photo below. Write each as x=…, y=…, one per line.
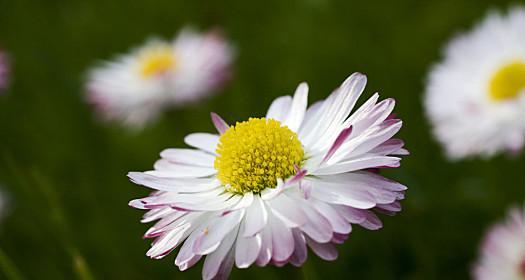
x=475, y=97
x=4, y=71
x=502, y=254
x=263, y=190
x=135, y=88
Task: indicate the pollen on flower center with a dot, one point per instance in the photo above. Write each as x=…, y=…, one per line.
x=508, y=81
x=253, y=154
x=155, y=60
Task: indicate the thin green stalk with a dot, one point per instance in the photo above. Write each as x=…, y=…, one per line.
x=8, y=267
x=80, y=266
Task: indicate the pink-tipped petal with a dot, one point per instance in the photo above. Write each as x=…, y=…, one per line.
x=265, y=255
x=345, y=133
x=219, y=123
x=300, y=252
x=246, y=250
x=297, y=178
x=282, y=240
x=325, y=251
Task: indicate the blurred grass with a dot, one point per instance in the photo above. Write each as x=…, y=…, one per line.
x=65, y=172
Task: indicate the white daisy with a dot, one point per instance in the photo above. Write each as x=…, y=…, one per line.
x=475, y=96
x=4, y=71
x=503, y=251
x=136, y=87
x=265, y=188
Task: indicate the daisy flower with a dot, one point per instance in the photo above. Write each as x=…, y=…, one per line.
x=136, y=87
x=263, y=190
x=4, y=71
x=503, y=250
x=475, y=97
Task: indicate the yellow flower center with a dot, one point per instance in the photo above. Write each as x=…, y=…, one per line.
x=156, y=60
x=253, y=154
x=508, y=82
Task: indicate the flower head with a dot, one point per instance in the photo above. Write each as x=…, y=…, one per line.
x=4, y=71
x=265, y=189
x=475, y=97
x=503, y=250
x=136, y=87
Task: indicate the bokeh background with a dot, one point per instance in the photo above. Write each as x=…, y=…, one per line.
x=64, y=172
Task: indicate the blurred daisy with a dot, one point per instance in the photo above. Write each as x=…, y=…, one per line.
x=265, y=188
x=503, y=250
x=136, y=87
x=4, y=71
x=475, y=96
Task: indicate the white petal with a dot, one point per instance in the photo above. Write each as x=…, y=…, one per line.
x=352, y=215
x=221, y=259
x=361, y=113
x=373, y=140
x=336, y=109
x=193, y=260
x=372, y=117
x=282, y=240
x=155, y=214
x=137, y=203
x=165, y=168
x=300, y=252
x=226, y=266
x=188, y=157
x=279, y=108
x=366, y=178
x=270, y=193
x=256, y=217
x=391, y=207
x=285, y=209
x=360, y=184
x=401, y=152
x=325, y=251
x=341, y=194
x=169, y=241
x=190, y=185
x=171, y=198
x=371, y=221
x=186, y=253
x=204, y=141
x=391, y=146
x=245, y=202
x=339, y=224
x=298, y=108
x=216, y=230
x=318, y=227
x=265, y=255
x=172, y=222
x=218, y=203
x=246, y=250
x=310, y=118
x=358, y=164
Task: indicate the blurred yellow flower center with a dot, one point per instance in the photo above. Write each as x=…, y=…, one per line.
x=156, y=60
x=253, y=154
x=508, y=81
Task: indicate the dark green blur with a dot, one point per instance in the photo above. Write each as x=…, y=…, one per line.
x=65, y=172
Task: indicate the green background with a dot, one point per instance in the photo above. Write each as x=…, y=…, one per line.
x=64, y=171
